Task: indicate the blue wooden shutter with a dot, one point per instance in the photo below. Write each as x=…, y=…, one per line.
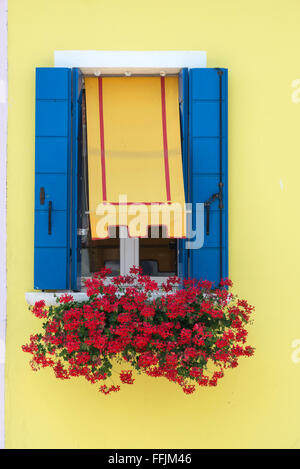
x=77, y=82
x=52, y=179
x=208, y=169
x=184, y=124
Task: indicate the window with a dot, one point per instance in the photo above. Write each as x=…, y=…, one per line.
x=63, y=244
x=133, y=151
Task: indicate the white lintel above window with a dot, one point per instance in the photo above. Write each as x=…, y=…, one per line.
x=136, y=62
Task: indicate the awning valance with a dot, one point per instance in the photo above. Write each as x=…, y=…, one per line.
x=135, y=173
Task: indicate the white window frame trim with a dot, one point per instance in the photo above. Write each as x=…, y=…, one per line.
x=129, y=251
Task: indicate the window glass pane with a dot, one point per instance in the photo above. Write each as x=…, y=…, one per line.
x=158, y=256
x=101, y=253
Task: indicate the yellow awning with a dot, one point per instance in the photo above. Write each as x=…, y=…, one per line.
x=134, y=155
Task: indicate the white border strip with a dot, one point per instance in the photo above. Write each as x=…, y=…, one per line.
x=129, y=59
x=3, y=148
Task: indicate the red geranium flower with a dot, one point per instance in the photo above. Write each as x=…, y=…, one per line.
x=176, y=335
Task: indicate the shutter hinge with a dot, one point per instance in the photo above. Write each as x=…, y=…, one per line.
x=42, y=195
x=208, y=202
x=82, y=231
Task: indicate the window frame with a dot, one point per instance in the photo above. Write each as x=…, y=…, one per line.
x=129, y=247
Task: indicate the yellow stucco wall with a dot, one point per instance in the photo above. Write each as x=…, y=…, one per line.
x=256, y=405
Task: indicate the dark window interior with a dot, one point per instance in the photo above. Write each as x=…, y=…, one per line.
x=158, y=256
x=104, y=253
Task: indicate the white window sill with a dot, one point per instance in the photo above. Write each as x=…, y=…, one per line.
x=50, y=297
